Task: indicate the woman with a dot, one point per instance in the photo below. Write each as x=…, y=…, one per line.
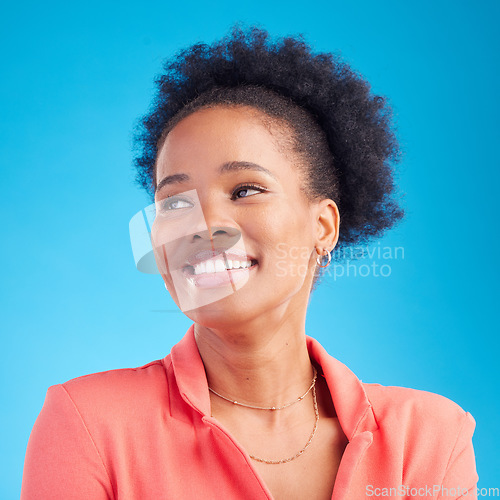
x=261, y=159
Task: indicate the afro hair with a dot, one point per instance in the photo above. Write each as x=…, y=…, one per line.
x=344, y=131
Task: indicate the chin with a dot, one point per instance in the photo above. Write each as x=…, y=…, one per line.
x=224, y=313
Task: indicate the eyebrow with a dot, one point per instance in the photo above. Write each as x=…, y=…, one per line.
x=231, y=166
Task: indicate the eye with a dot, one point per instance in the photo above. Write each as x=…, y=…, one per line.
x=173, y=203
x=246, y=188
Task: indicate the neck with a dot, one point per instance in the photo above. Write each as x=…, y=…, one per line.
x=268, y=368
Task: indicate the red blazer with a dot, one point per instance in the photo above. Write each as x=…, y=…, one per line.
x=146, y=433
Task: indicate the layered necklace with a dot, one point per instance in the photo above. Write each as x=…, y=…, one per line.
x=312, y=388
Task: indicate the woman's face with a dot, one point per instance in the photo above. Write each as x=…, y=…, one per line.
x=235, y=196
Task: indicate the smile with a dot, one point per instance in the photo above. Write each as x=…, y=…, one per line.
x=219, y=265
x=220, y=270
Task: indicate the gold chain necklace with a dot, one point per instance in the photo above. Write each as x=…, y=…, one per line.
x=271, y=407
x=297, y=455
x=316, y=413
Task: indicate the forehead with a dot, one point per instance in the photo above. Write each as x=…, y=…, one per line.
x=222, y=134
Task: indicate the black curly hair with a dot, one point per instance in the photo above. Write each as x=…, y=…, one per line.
x=343, y=132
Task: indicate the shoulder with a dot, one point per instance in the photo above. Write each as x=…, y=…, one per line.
x=419, y=414
x=430, y=433
x=389, y=399
x=85, y=427
x=131, y=377
x=113, y=391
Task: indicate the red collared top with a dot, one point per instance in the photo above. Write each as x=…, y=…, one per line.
x=146, y=433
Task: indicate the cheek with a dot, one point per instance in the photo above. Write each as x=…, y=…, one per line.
x=284, y=239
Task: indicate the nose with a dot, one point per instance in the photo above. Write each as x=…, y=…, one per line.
x=218, y=237
x=220, y=228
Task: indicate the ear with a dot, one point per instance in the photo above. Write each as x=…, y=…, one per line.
x=328, y=224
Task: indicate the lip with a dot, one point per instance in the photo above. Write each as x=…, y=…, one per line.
x=218, y=279
x=213, y=280
x=205, y=255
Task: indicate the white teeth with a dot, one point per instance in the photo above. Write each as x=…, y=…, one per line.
x=218, y=266
x=199, y=268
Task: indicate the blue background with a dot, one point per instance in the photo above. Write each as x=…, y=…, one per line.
x=76, y=76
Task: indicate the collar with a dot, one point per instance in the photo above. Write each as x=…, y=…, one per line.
x=351, y=403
